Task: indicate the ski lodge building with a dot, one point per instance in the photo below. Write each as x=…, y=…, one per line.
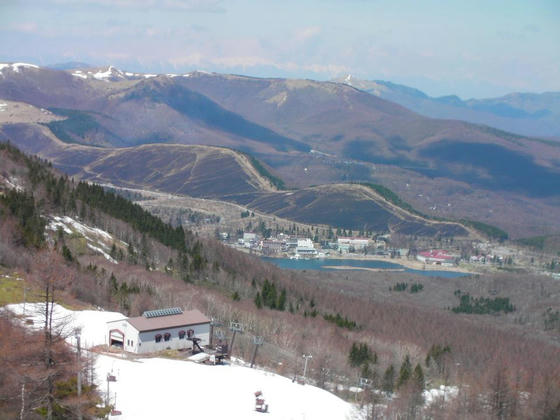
x=158, y=330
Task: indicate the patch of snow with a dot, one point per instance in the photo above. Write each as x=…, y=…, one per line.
x=13, y=182
x=55, y=224
x=93, y=324
x=95, y=237
x=434, y=394
x=171, y=75
x=16, y=66
x=187, y=75
x=147, y=76
x=79, y=73
x=107, y=256
x=110, y=72
x=82, y=228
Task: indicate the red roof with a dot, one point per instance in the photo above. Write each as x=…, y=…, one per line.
x=437, y=254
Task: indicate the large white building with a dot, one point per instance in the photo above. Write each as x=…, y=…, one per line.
x=159, y=330
x=305, y=247
x=356, y=243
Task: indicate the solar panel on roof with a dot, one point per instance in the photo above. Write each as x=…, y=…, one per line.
x=162, y=312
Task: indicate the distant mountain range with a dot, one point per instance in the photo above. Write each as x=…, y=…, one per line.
x=526, y=114
x=307, y=132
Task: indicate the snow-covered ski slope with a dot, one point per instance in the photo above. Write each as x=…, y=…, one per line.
x=173, y=389
x=158, y=388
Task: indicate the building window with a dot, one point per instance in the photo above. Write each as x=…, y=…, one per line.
x=158, y=338
x=167, y=336
x=131, y=343
x=182, y=334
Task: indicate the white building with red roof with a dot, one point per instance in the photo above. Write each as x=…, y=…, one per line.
x=436, y=256
x=158, y=330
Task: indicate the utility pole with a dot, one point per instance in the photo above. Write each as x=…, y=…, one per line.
x=258, y=342
x=108, y=395
x=235, y=327
x=79, y=383
x=306, y=357
x=24, y=296
x=22, y=400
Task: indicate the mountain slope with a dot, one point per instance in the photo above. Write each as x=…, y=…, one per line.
x=218, y=173
x=527, y=114
x=196, y=273
x=338, y=132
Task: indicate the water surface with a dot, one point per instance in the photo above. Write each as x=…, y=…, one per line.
x=326, y=264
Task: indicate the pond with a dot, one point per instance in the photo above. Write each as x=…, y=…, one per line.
x=328, y=264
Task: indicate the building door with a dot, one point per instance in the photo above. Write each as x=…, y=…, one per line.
x=116, y=338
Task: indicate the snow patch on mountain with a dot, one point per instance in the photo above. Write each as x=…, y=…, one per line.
x=16, y=67
x=11, y=182
x=99, y=250
x=110, y=73
x=97, y=239
x=442, y=393
x=92, y=324
x=79, y=73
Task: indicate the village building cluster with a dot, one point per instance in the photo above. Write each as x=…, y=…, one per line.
x=304, y=247
x=294, y=246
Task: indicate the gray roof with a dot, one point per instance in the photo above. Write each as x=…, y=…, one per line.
x=194, y=317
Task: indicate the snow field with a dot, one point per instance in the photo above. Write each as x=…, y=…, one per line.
x=94, y=236
x=173, y=389
x=157, y=388
x=91, y=323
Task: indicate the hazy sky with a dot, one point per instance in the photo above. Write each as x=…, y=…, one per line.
x=468, y=47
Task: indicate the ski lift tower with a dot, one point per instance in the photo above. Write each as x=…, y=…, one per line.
x=306, y=357
x=258, y=340
x=213, y=323
x=235, y=327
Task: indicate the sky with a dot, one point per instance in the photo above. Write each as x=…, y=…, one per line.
x=474, y=48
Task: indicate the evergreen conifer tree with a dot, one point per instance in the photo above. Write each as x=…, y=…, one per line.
x=388, y=384
x=418, y=377
x=405, y=372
